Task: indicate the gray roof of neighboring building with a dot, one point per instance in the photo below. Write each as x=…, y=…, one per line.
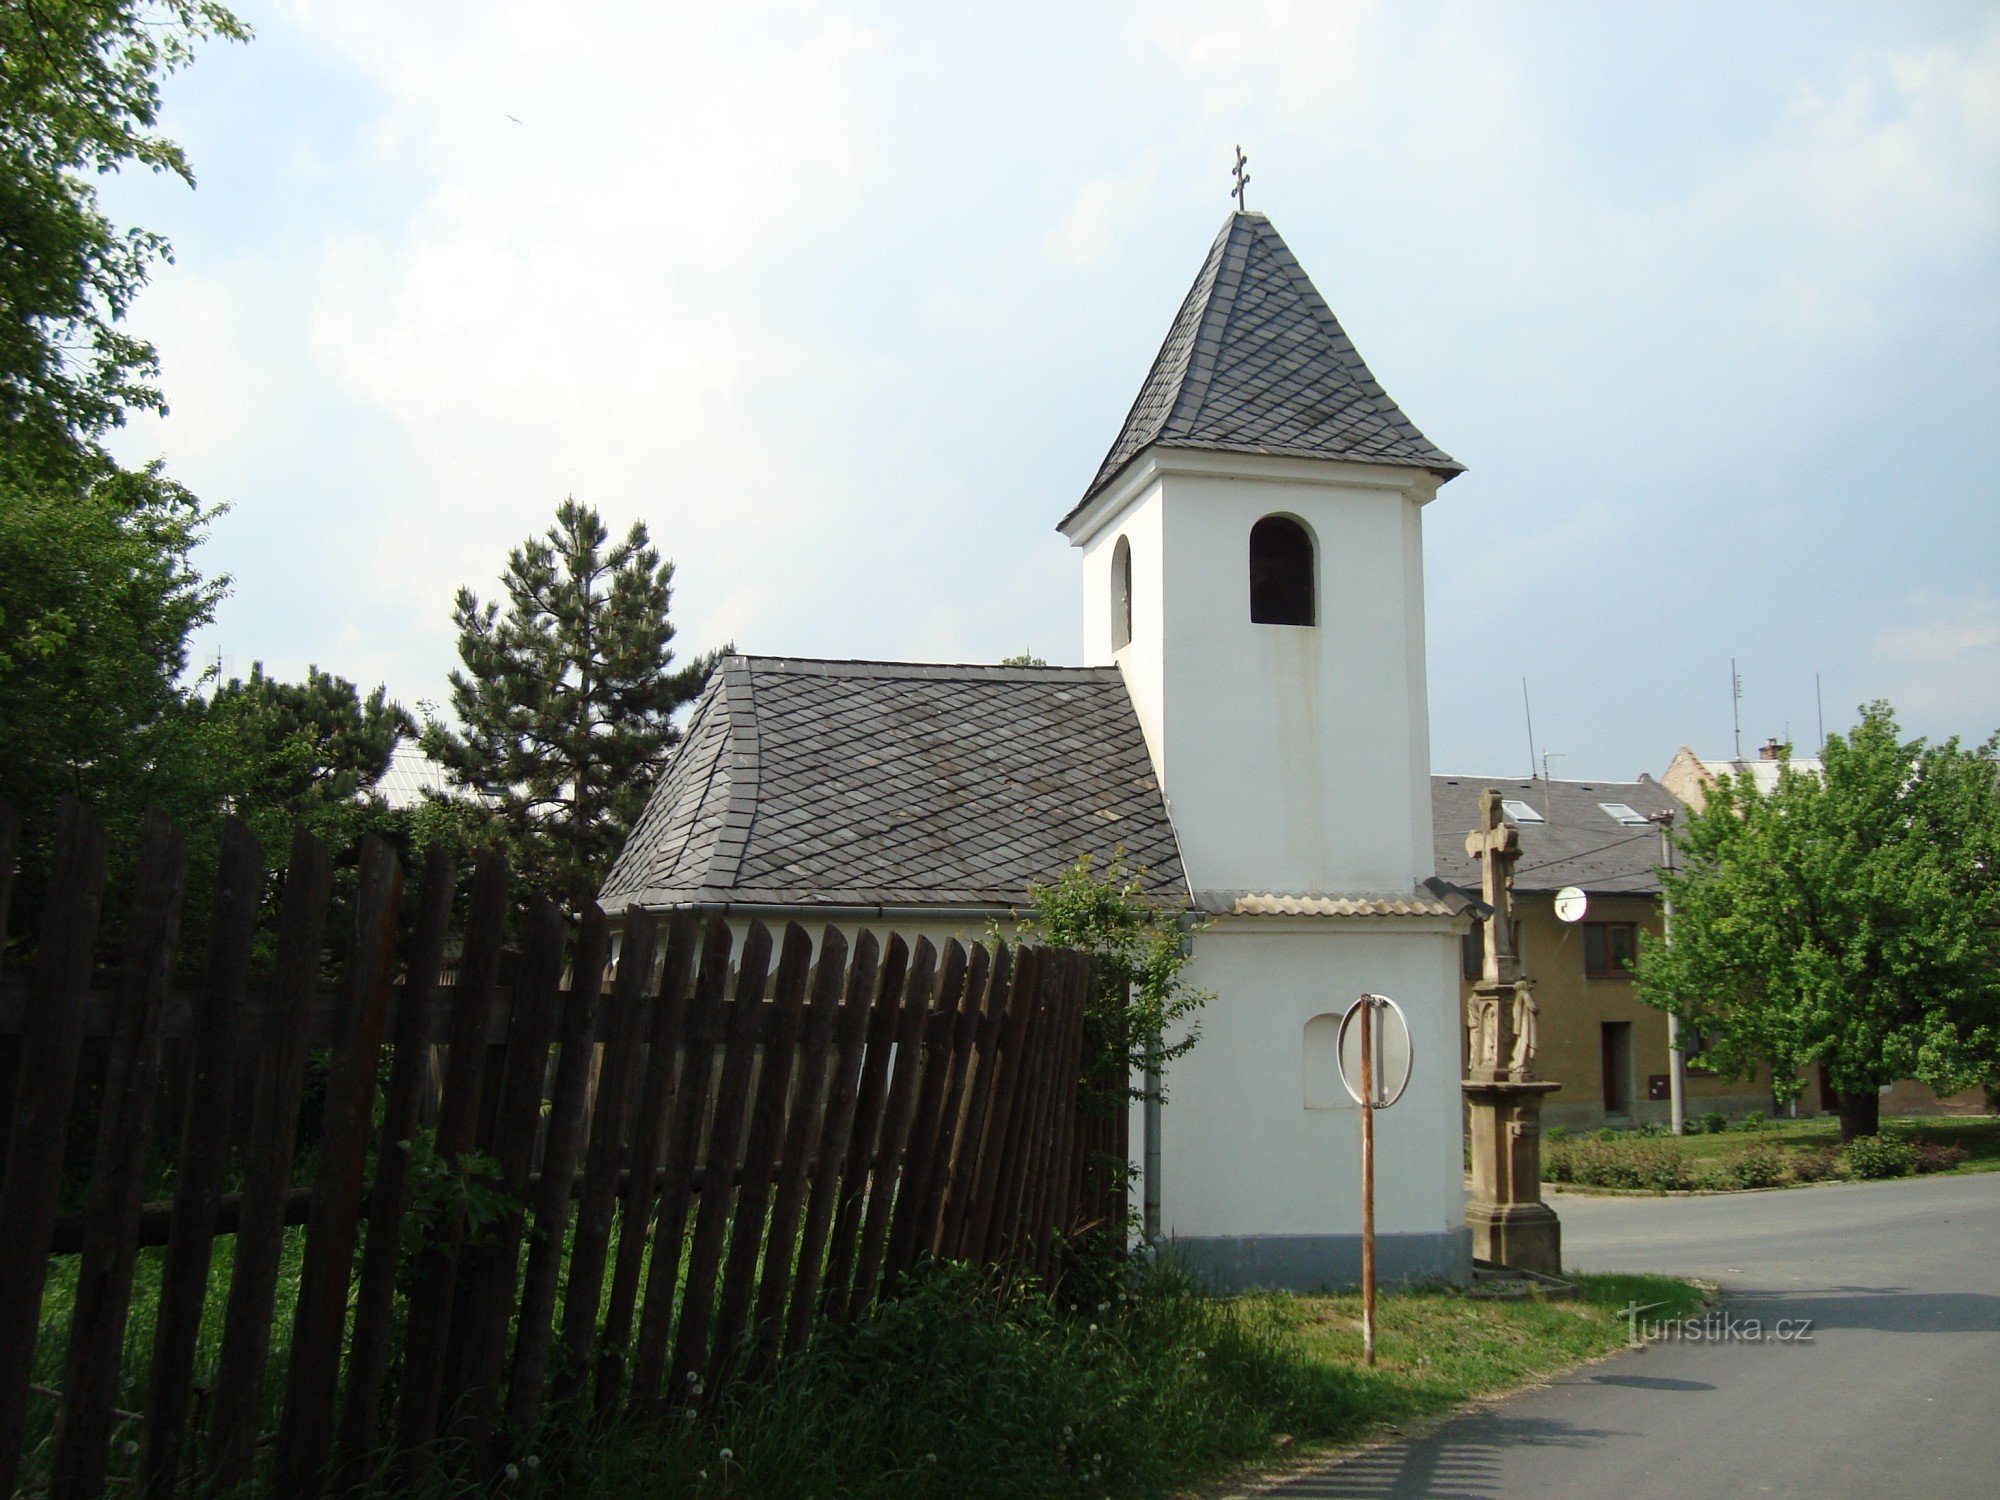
x=1578, y=843
x=863, y=784
x=1256, y=362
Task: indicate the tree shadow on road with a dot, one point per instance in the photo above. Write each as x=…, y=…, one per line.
x=1883, y=1309
x=1459, y=1461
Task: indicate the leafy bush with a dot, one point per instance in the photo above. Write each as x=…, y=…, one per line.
x=1141, y=1010
x=1755, y=1120
x=1822, y=1165
x=1936, y=1156
x=1713, y=1122
x=1556, y=1133
x=1759, y=1166
x=1620, y=1162
x=1876, y=1156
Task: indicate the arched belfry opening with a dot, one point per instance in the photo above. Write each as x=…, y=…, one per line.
x=1121, y=595
x=1281, y=573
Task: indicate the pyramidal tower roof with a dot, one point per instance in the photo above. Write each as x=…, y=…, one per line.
x=1256, y=362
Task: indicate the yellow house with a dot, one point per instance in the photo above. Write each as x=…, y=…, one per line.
x=1608, y=1051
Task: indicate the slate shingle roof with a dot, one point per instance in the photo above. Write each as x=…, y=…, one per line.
x=842, y=783
x=1579, y=843
x=1256, y=362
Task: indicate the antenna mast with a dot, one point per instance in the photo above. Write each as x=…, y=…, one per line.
x=1526, y=709
x=1736, y=704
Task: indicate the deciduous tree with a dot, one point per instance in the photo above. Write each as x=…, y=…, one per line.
x=79, y=97
x=1850, y=920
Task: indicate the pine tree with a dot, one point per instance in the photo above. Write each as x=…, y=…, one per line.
x=567, y=697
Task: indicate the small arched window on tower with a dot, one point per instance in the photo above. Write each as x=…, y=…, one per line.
x=1121, y=595
x=1281, y=573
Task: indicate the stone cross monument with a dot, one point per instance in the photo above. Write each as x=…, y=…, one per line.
x=1510, y=1223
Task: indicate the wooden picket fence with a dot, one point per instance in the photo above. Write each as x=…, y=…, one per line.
x=748, y=1146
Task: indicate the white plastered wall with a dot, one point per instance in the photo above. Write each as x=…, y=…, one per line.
x=1243, y=1155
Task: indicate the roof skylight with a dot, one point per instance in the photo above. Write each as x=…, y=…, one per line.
x=1521, y=812
x=1624, y=813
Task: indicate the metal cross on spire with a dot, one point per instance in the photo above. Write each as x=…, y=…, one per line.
x=1242, y=176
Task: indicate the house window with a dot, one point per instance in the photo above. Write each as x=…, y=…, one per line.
x=1121, y=595
x=1281, y=573
x=1472, y=951
x=1609, y=949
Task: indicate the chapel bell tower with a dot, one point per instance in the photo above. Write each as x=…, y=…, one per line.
x=1253, y=563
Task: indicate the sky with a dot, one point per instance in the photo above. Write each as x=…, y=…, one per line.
x=846, y=302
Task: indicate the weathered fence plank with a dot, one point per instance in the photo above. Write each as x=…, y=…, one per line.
x=668, y=1017
x=802, y=1133
x=760, y=1152
x=883, y=1021
x=982, y=1071
x=908, y=1231
x=549, y=1202
x=496, y=1260
x=690, y=1110
x=389, y=1192
x=865, y=977
x=305, y=1430
x=204, y=1148
x=47, y=1080
x=919, y=993
x=984, y=1218
x=725, y=1146
x=267, y=1168
x=605, y=1156
x=104, y=1277
x=436, y=1273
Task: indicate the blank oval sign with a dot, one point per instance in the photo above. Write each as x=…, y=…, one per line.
x=1390, y=1030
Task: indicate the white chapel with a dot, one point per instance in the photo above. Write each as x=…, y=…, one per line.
x=1249, y=728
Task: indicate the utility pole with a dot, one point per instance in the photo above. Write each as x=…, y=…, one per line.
x=1676, y=1061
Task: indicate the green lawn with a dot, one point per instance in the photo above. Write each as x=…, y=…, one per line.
x=1438, y=1348
x=1977, y=1135
x=1763, y=1154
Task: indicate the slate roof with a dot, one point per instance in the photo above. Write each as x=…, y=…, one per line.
x=861, y=784
x=1256, y=362
x=1579, y=843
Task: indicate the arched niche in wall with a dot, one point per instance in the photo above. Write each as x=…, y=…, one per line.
x=1319, y=1052
x=1282, y=573
x=1121, y=595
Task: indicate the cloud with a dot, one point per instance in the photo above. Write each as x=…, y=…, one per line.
x=1943, y=659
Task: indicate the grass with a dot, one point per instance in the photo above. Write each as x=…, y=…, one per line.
x=961, y=1387
x=1776, y=1153
x=1135, y=1384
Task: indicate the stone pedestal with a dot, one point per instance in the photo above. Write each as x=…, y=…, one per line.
x=1510, y=1224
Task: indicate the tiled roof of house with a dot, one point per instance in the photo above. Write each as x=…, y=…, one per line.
x=860, y=784
x=1575, y=842
x=1256, y=362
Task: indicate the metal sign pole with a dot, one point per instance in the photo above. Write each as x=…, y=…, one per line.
x=1368, y=1180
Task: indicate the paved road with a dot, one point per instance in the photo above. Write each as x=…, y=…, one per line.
x=1898, y=1392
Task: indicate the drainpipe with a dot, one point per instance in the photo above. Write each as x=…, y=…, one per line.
x=1150, y=1201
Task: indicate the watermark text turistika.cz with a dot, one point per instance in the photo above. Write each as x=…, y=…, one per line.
x=1719, y=1326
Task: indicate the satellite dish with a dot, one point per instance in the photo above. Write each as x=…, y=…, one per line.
x=1571, y=904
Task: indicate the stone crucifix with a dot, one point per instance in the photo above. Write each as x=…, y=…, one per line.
x=1501, y=1025
x=1496, y=844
